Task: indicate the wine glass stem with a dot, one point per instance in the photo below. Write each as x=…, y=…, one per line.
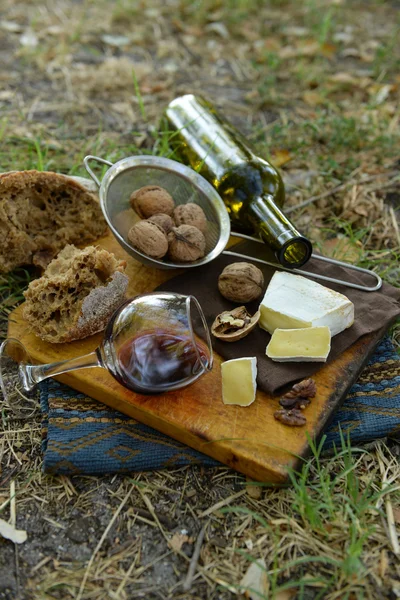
x=33, y=374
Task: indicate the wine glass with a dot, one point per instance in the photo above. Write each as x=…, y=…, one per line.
x=153, y=343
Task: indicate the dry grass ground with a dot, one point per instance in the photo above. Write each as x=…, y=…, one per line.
x=315, y=85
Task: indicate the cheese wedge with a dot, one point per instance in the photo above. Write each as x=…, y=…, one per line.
x=239, y=381
x=311, y=344
x=295, y=302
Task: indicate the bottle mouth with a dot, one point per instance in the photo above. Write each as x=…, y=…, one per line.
x=295, y=253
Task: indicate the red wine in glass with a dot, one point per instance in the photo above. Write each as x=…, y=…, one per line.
x=159, y=358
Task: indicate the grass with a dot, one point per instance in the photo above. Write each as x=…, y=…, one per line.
x=331, y=501
x=326, y=535
x=341, y=143
x=386, y=60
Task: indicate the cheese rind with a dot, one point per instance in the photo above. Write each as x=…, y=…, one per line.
x=239, y=381
x=311, y=344
x=293, y=302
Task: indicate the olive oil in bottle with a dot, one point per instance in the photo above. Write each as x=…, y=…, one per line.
x=250, y=186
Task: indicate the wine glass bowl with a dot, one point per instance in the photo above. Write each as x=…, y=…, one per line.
x=154, y=343
x=157, y=342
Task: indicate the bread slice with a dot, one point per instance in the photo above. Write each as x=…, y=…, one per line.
x=77, y=294
x=40, y=213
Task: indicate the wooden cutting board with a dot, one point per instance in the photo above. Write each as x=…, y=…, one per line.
x=248, y=439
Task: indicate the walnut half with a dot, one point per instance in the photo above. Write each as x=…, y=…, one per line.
x=234, y=325
x=293, y=417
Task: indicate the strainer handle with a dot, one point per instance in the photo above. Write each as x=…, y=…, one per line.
x=86, y=161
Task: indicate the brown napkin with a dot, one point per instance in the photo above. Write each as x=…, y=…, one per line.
x=374, y=312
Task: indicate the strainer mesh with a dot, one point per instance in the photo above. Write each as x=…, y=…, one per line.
x=181, y=189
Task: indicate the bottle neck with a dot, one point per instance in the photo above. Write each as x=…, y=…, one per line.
x=291, y=248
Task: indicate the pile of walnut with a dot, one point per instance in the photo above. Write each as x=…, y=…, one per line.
x=239, y=282
x=175, y=232
x=294, y=402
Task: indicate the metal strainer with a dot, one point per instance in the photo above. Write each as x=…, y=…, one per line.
x=184, y=185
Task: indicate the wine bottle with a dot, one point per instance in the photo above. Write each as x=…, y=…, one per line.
x=250, y=186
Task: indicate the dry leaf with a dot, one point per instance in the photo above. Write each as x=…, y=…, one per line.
x=123, y=108
x=116, y=41
x=219, y=28
x=313, y=98
x=328, y=50
x=380, y=93
x=346, y=79
x=248, y=32
x=303, y=48
x=344, y=37
x=255, y=581
x=54, y=30
x=342, y=249
x=11, y=26
x=280, y=157
x=307, y=48
x=154, y=88
x=396, y=515
x=253, y=490
x=361, y=210
x=296, y=31
x=383, y=563
x=285, y=594
x=178, y=539
x=29, y=39
x=18, y=536
x=298, y=178
x=6, y=95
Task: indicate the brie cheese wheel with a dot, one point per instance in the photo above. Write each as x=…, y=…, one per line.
x=295, y=302
x=239, y=381
x=311, y=344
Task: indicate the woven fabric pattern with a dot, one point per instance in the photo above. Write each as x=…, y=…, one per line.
x=81, y=435
x=372, y=406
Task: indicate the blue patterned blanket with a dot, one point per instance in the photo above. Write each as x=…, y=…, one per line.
x=80, y=435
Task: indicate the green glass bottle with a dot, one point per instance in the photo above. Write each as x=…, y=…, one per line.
x=250, y=186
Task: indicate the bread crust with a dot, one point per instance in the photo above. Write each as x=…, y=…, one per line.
x=40, y=213
x=98, y=307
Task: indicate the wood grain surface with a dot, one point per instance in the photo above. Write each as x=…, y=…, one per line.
x=248, y=439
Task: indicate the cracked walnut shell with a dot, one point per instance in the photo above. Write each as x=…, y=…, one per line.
x=186, y=244
x=191, y=214
x=151, y=200
x=234, y=325
x=241, y=282
x=149, y=239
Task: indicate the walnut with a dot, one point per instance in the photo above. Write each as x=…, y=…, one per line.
x=162, y=220
x=300, y=403
x=293, y=418
x=303, y=389
x=241, y=282
x=190, y=214
x=149, y=239
x=150, y=200
x=233, y=325
x=300, y=394
x=186, y=244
